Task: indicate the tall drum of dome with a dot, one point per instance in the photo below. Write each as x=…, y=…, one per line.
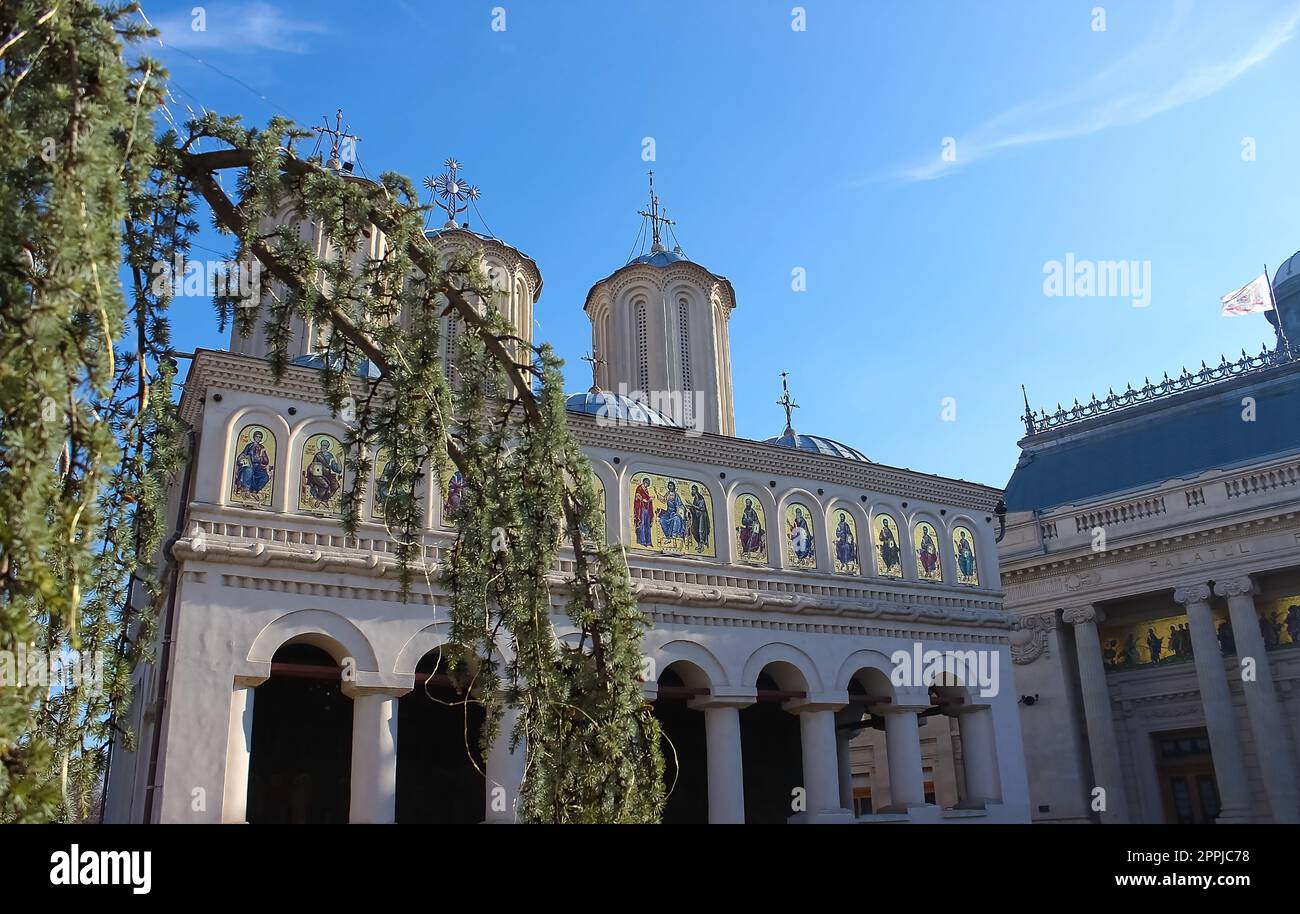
x=514, y=275
x=307, y=342
x=1286, y=299
x=659, y=331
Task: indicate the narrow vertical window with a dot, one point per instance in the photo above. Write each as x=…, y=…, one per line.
x=643, y=349
x=684, y=339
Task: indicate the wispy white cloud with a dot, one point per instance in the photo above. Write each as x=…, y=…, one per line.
x=1155, y=77
x=239, y=28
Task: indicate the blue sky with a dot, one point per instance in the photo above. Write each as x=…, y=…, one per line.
x=823, y=149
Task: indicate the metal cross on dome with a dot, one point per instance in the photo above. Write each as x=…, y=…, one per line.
x=787, y=402
x=658, y=216
x=455, y=192
x=343, y=144
x=595, y=360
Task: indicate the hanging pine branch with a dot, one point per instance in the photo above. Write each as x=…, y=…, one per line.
x=89, y=436
x=592, y=742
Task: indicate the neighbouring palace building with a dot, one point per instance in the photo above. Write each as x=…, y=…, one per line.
x=1152, y=561
x=780, y=578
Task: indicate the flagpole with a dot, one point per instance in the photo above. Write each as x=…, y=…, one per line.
x=1277, y=312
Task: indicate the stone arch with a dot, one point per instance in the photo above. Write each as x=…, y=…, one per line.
x=941, y=532
x=235, y=423
x=707, y=671
x=862, y=533
x=746, y=487
x=817, y=517
x=902, y=533
x=292, y=461
x=329, y=631
x=795, y=670
x=981, y=559
x=613, y=506
x=860, y=661
x=426, y=639
x=697, y=474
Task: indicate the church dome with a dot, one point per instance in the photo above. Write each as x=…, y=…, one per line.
x=1287, y=277
x=818, y=445
x=605, y=404
x=661, y=257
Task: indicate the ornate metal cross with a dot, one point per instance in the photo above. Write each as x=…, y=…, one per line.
x=788, y=403
x=455, y=192
x=657, y=216
x=343, y=145
x=592, y=357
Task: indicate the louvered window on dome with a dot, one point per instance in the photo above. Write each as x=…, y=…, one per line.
x=684, y=339
x=643, y=348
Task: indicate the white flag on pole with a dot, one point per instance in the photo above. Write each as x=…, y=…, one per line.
x=1255, y=295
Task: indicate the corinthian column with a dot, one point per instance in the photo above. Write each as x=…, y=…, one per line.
x=1216, y=700
x=1102, y=744
x=1266, y=723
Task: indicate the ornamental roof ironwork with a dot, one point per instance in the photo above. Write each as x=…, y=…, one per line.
x=1043, y=421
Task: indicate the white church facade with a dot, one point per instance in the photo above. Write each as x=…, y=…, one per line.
x=782, y=580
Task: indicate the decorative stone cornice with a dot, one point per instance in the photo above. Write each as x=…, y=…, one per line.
x=1243, y=586
x=717, y=287
x=767, y=460
x=377, y=567
x=1053, y=569
x=1192, y=593
x=1039, y=627
x=1077, y=615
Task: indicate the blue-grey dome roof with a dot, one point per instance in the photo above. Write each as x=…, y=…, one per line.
x=661, y=258
x=365, y=367
x=1288, y=274
x=605, y=404
x=817, y=444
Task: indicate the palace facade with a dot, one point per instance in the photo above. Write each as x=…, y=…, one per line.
x=1152, y=561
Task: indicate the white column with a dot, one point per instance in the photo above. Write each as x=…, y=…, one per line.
x=1216, y=701
x=505, y=773
x=726, y=772
x=844, y=754
x=979, y=755
x=1266, y=721
x=903, y=749
x=374, y=756
x=1102, y=743
x=239, y=748
x=821, y=770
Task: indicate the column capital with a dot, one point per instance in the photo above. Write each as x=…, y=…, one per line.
x=1192, y=593
x=355, y=690
x=817, y=701
x=724, y=698
x=886, y=710
x=1243, y=586
x=1078, y=615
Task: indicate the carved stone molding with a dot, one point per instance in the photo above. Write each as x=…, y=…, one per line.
x=1192, y=593
x=1034, y=632
x=1235, y=587
x=1076, y=582
x=1077, y=615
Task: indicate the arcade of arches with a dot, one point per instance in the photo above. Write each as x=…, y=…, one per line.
x=310, y=747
